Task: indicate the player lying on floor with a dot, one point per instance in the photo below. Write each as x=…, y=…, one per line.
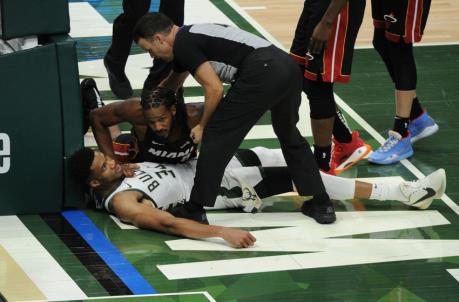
x=144, y=198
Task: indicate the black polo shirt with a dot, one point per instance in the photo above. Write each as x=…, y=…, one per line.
x=224, y=47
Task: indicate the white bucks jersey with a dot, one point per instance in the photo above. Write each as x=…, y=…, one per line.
x=164, y=184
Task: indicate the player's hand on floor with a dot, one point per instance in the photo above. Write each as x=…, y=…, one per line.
x=238, y=238
x=196, y=134
x=129, y=169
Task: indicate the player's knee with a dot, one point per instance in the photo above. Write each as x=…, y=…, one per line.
x=321, y=100
x=379, y=41
x=405, y=75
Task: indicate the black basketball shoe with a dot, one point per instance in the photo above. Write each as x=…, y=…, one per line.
x=91, y=100
x=321, y=210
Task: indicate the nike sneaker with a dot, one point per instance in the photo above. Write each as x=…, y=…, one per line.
x=394, y=149
x=422, y=127
x=345, y=155
x=422, y=192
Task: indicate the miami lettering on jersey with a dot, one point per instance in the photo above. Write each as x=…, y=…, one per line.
x=182, y=155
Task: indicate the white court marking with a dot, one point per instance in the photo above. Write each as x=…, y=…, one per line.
x=301, y=234
x=36, y=262
x=133, y=297
x=329, y=253
x=454, y=273
x=80, y=13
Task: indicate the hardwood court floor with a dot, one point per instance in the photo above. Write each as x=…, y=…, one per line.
x=376, y=251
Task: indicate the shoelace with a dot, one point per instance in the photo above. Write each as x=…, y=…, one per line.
x=390, y=143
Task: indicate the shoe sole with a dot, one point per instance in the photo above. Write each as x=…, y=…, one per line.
x=355, y=157
x=439, y=192
x=393, y=161
x=428, y=131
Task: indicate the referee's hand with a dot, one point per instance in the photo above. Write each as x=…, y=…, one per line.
x=196, y=134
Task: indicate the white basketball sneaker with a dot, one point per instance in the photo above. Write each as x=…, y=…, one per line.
x=422, y=192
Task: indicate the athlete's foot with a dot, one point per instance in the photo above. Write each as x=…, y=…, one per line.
x=331, y=170
x=422, y=127
x=321, y=210
x=421, y=193
x=394, y=149
x=198, y=215
x=345, y=155
x=117, y=79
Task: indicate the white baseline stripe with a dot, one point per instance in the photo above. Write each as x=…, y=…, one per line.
x=448, y=201
x=36, y=262
x=127, y=297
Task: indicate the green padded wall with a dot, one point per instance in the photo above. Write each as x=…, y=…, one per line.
x=33, y=17
x=31, y=118
x=72, y=111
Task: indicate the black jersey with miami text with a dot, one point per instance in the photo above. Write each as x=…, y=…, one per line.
x=155, y=149
x=224, y=47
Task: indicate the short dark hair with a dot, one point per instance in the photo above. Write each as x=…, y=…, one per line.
x=80, y=163
x=151, y=24
x=157, y=97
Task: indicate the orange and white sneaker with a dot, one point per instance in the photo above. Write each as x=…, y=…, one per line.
x=331, y=170
x=345, y=155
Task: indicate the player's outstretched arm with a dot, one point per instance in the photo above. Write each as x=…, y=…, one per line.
x=127, y=207
x=104, y=117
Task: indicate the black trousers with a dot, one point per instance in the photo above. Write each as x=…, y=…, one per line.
x=268, y=80
x=123, y=27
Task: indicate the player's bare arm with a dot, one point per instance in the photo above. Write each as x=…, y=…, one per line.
x=131, y=208
x=323, y=29
x=104, y=117
x=213, y=93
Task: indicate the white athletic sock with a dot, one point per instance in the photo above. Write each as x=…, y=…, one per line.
x=338, y=188
x=387, y=191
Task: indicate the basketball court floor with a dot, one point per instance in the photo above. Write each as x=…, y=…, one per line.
x=376, y=251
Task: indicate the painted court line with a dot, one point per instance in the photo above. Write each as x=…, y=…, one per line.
x=108, y=252
x=286, y=227
x=334, y=252
x=30, y=255
x=340, y=102
x=129, y=297
x=454, y=273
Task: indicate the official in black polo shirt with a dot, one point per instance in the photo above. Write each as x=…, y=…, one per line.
x=262, y=78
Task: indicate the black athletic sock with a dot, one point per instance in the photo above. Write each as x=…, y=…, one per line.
x=322, y=155
x=416, y=109
x=341, y=131
x=401, y=125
